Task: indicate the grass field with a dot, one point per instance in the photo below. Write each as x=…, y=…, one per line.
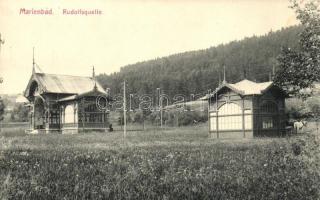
x=176, y=163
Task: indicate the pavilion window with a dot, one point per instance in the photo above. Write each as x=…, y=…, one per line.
x=69, y=114
x=54, y=117
x=248, y=121
x=267, y=122
x=269, y=107
x=90, y=114
x=213, y=125
x=269, y=118
x=230, y=122
x=230, y=117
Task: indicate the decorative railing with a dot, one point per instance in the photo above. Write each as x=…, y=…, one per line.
x=86, y=125
x=93, y=125
x=55, y=126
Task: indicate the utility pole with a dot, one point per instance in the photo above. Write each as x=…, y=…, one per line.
x=124, y=111
x=209, y=97
x=217, y=120
x=161, y=110
x=130, y=99
x=160, y=106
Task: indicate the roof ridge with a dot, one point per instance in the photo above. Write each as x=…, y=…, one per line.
x=64, y=75
x=253, y=81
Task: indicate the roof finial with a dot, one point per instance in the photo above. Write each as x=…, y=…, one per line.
x=270, y=77
x=93, y=74
x=33, y=63
x=224, y=75
x=94, y=78
x=273, y=72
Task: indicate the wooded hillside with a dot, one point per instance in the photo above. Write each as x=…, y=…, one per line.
x=195, y=72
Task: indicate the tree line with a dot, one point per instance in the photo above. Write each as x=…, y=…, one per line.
x=195, y=72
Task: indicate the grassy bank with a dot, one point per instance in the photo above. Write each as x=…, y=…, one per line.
x=171, y=164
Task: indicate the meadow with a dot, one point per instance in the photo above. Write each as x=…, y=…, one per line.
x=174, y=163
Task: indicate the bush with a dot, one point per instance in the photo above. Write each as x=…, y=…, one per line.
x=184, y=118
x=296, y=108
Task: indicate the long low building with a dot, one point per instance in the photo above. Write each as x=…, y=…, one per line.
x=246, y=109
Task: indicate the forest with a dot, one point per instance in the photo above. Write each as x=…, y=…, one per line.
x=194, y=72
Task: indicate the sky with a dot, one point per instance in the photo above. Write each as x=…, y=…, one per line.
x=127, y=31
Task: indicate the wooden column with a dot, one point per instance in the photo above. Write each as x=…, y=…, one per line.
x=258, y=124
x=33, y=116
x=243, y=118
x=47, y=124
x=74, y=114
x=217, y=120
x=104, y=119
x=61, y=116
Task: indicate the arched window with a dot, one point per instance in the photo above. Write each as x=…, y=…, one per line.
x=34, y=89
x=69, y=114
x=230, y=117
x=229, y=109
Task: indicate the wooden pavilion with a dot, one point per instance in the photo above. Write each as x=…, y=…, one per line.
x=246, y=109
x=66, y=104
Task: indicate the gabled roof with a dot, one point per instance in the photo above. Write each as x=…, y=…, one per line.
x=63, y=84
x=93, y=92
x=72, y=97
x=250, y=88
x=244, y=87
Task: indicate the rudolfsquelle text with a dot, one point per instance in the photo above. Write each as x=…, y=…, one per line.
x=49, y=11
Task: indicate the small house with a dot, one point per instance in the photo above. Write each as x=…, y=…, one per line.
x=66, y=104
x=246, y=109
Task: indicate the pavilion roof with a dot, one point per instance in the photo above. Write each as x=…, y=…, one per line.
x=63, y=84
x=244, y=87
x=247, y=87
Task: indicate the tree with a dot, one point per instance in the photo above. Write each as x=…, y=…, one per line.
x=140, y=116
x=313, y=105
x=300, y=69
x=195, y=72
x=297, y=109
x=2, y=107
x=20, y=113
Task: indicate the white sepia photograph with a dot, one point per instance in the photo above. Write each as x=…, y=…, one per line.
x=160, y=99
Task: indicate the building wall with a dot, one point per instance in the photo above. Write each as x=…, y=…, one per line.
x=234, y=118
x=269, y=114
x=69, y=119
x=248, y=116
x=83, y=116
x=55, y=116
